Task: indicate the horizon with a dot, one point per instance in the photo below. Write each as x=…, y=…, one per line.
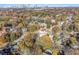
x=38, y=5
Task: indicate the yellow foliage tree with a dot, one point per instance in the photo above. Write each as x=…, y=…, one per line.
x=28, y=39
x=2, y=41
x=44, y=41
x=77, y=26
x=33, y=27
x=73, y=40
x=6, y=18
x=56, y=29
x=55, y=51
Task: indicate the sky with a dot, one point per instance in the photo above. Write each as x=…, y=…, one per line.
x=40, y=5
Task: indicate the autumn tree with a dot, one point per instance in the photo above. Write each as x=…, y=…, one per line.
x=45, y=42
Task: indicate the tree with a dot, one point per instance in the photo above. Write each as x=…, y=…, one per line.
x=56, y=29
x=6, y=18
x=44, y=41
x=28, y=39
x=73, y=40
x=2, y=41
x=33, y=27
